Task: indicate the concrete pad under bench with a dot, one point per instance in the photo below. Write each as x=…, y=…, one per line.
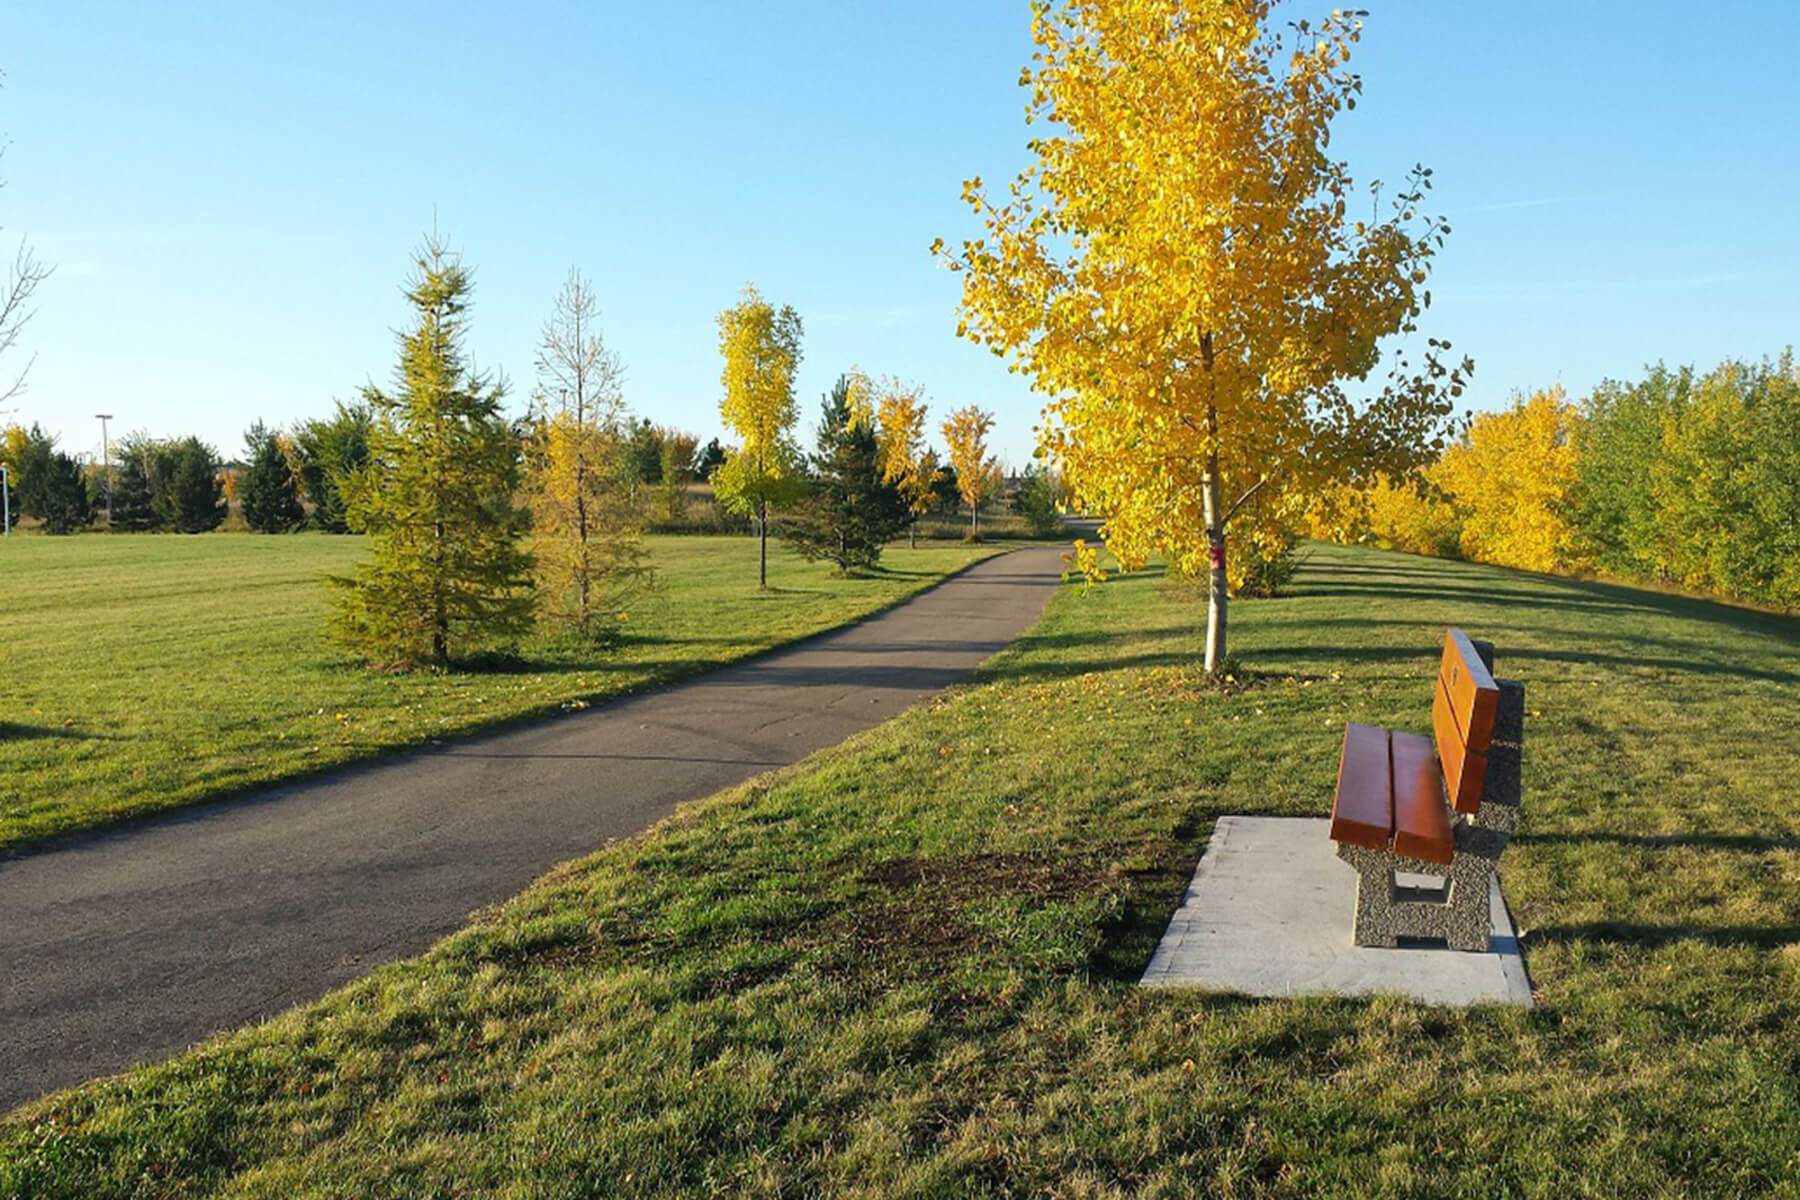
x=1270, y=913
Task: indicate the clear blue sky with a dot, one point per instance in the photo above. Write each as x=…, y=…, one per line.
x=230, y=191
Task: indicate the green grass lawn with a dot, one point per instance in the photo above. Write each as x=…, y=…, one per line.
x=139, y=673
x=906, y=965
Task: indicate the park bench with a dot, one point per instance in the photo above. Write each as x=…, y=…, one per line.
x=1441, y=807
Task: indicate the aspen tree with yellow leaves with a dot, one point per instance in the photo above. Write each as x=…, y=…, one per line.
x=1512, y=475
x=977, y=474
x=905, y=462
x=1196, y=286
x=761, y=347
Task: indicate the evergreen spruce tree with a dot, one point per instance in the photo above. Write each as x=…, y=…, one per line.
x=51, y=485
x=848, y=512
x=134, y=488
x=446, y=572
x=269, y=493
x=193, y=497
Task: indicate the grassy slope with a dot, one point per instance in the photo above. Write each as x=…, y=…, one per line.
x=904, y=966
x=140, y=673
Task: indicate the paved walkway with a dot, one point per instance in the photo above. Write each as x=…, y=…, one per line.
x=129, y=945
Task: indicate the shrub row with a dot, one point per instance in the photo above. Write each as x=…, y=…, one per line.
x=1682, y=477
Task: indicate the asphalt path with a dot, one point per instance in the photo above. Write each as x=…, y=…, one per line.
x=128, y=945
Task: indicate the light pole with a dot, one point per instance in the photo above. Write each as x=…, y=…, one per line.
x=6, y=499
x=106, y=458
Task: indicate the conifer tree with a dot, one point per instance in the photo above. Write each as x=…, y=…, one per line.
x=134, y=510
x=849, y=511
x=590, y=553
x=445, y=571
x=192, y=497
x=269, y=494
x=51, y=487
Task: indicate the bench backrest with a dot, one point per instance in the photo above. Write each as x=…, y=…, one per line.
x=1462, y=718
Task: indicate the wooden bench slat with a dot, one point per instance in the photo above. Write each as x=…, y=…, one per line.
x=1464, y=769
x=1363, y=811
x=1474, y=697
x=1421, y=821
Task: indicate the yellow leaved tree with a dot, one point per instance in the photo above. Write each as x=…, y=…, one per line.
x=977, y=474
x=761, y=347
x=587, y=530
x=1512, y=475
x=905, y=461
x=1193, y=283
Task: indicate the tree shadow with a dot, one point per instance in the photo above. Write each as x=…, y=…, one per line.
x=1738, y=843
x=12, y=731
x=1651, y=937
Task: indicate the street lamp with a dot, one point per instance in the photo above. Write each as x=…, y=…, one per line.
x=106, y=458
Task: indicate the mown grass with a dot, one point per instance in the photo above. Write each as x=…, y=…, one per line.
x=140, y=673
x=906, y=966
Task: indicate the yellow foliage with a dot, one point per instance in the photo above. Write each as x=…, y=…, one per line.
x=588, y=548
x=977, y=475
x=1179, y=273
x=1511, y=476
x=900, y=435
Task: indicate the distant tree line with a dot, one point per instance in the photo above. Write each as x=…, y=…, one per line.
x=1682, y=477
x=446, y=487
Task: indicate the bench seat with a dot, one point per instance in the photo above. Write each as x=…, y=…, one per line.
x=1441, y=805
x=1390, y=795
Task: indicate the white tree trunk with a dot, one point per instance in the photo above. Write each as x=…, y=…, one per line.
x=1217, y=593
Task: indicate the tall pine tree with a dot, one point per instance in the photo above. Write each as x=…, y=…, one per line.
x=446, y=572
x=193, y=496
x=269, y=491
x=850, y=511
x=134, y=485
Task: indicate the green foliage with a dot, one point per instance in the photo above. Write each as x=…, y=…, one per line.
x=192, y=496
x=1617, y=443
x=1039, y=501
x=848, y=511
x=331, y=450
x=269, y=492
x=51, y=484
x=445, y=574
x=1695, y=479
x=134, y=488
x=709, y=460
x=644, y=450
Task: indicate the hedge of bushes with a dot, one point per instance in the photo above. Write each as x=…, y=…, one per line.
x=1682, y=477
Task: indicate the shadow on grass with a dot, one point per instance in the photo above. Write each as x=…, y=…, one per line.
x=1535, y=587
x=1758, y=937
x=12, y=731
x=1507, y=655
x=1739, y=843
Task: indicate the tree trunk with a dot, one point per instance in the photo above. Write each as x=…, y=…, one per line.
x=762, y=545
x=1217, y=594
